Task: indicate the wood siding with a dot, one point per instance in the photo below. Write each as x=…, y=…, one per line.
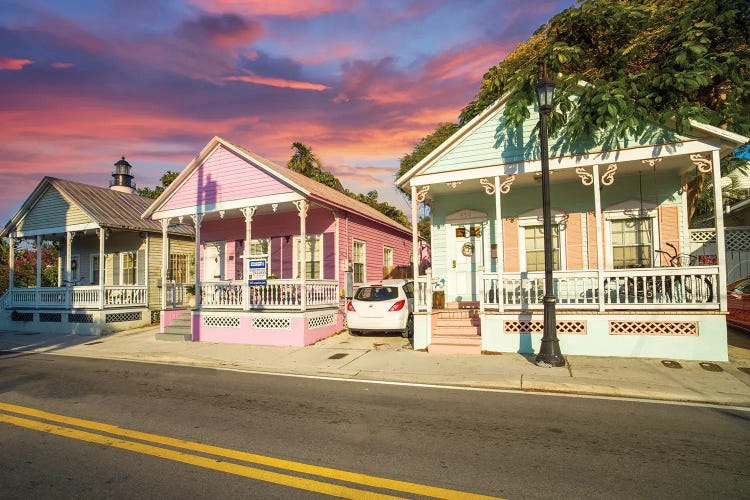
x=510, y=245
x=591, y=227
x=669, y=230
x=375, y=236
x=177, y=245
x=224, y=177
x=53, y=211
x=574, y=242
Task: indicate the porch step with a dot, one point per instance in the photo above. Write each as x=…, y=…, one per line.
x=178, y=331
x=464, y=304
x=174, y=337
x=454, y=346
x=456, y=332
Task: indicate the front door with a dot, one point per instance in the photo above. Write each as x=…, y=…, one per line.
x=213, y=265
x=467, y=261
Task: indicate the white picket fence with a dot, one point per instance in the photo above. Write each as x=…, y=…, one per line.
x=737, y=249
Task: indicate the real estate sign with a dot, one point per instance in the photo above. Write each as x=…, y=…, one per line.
x=258, y=271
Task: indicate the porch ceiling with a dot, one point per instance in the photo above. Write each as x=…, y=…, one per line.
x=677, y=164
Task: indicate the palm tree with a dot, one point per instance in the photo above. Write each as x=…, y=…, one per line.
x=304, y=160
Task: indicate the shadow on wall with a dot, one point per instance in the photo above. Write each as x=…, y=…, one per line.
x=524, y=344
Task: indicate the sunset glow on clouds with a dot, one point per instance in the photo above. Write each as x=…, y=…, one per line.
x=359, y=82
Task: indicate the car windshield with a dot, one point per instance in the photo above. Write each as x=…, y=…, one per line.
x=375, y=293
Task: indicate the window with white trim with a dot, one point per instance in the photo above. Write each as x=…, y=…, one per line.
x=129, y=268
x=358, y=261
x=387, y=257
x=313, y=255
x=179, y=267
x=94, y=269
x=632, y=242
x=260, y=248
x=534, y=247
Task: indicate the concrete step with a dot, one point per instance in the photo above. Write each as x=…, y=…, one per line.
x=182, y=320
x=454, y=348
x=459, y=330
x=456, y=339
x=443, y=322
x=174, y=337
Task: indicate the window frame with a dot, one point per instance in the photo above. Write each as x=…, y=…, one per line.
x=620, y=215
x=172, y=265
x=537, y=221
x=267, y=254
x=296, y=253
x=94, y=272
x=134, y=268
x=387, y=251
x=355, y=263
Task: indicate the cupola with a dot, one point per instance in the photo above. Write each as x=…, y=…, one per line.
x=122, y=178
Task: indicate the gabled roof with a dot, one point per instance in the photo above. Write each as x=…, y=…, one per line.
x=733, y=139
x=296, y=181
x=106, y=207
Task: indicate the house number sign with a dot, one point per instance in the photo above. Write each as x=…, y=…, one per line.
x=467, y=250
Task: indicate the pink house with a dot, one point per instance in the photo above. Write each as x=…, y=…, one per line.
x=274, y=290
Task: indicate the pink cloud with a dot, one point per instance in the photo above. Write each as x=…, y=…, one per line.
x=62, y=65
x=277, y=82
x=11, y=64
x=290, y=8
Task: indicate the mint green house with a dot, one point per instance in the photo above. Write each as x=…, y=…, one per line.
x=619, y=215
x=110, y=261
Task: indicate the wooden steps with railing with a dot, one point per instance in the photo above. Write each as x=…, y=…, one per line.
x=456, y=331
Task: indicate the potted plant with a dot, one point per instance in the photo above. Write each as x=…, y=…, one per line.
x=190, y=295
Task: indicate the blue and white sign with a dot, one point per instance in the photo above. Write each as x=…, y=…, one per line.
x=258, y=271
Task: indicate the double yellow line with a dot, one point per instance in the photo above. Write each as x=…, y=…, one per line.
x=43, y=421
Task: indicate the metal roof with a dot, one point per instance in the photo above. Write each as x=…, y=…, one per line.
x=106, y=207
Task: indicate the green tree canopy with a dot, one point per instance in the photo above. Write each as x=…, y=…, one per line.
x=166, y=179
x=647, y=62
x=307, y=163
x=424, y=147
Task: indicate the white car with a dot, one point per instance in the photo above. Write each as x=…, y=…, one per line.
x=382, y=306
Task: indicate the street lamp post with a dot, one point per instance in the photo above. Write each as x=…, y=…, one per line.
x=549, y=350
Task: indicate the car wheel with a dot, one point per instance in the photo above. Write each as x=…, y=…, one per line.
x=409, y=330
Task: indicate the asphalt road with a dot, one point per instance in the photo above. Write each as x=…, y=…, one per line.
x=499, y=444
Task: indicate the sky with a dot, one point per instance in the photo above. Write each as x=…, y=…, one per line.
x=85, y=82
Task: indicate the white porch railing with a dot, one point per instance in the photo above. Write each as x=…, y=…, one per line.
x=423, y=293
x=275, y=294
x=76, y=296
x=4, y=300
x=653, y=288
x=176, y=294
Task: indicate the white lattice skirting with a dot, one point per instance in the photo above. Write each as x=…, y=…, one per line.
x=221, y=321
x=537, y=326
x=654, y=328
x=272, y=323
x=735, y=240
x=321, y=321
x=120, y=317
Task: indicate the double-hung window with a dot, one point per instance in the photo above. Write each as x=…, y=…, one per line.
x=387, y=257
x=534, y=246
x=313, y=256
x=129, y=268
x=632, y=242
x=358, y=261
x=179, y=267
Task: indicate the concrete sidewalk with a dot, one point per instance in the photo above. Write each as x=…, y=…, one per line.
x=391, y=358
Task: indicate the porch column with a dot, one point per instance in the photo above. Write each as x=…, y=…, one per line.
x=599, y=237
x=197, y=218
x=165, y=265
x=721, y=289
x=415, y=236
x=302, y=207
x=500, y=290
x=38, y=261
x=248, y=212
x=68, y=265
x=102, y=237
x=11, y=261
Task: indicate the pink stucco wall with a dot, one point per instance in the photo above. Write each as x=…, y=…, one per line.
x=223, y=177
x=299, y=335
x=168, y=317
